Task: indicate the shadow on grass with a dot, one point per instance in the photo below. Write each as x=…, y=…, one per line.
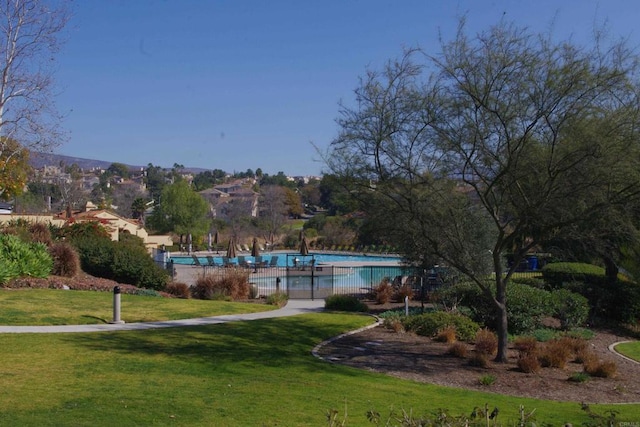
x=100, y=319
x=274, y=342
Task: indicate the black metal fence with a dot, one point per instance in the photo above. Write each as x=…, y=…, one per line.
x=312, y=282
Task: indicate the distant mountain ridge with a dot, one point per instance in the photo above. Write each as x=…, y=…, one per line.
x=39, y=160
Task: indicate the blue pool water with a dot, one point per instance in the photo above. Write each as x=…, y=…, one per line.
x=283, y=258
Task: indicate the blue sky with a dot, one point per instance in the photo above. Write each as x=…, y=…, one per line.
x=237, y=85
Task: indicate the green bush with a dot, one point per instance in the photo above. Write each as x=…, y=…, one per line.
x=20, y=259
x=570, y=308
x=526, y=305
x=429, y=324
x=126, y=261
x=345, y=303
x=558, y=273
x=619, y=302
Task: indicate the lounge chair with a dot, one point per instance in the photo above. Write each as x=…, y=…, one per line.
x=242, y=261
x=211, y=261
x=196, y=261
x=259, y=262
x=274, y=261
x=226, y=262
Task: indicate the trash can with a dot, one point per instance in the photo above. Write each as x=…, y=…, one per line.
x=533, y=262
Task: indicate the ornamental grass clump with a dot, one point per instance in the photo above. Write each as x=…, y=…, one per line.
x=601, y=368
x=458, y=349
x=402, y=292
x=486, y=342
x=233, y=285
x=528, y=363
x=555, y=354
x=66, y=261
x=526, y=345
x=446, y=334
x=178, y=289
x=383, y=293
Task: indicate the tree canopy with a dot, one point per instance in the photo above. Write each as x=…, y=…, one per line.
x=500, y=143
x=181, y=210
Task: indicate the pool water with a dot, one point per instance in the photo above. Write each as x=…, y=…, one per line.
x=283, y=258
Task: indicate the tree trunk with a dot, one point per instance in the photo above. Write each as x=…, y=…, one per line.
x=611, y=270
x=502, y=323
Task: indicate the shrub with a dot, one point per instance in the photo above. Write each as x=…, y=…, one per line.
x=528, y=363
x=526, y=309
x=20, y=259
x=345, y=303
x=278, y=299
x=66, y=261
x=570, y=308
x=458, y=349
x=446, y=334
x=383, y=292
x=486, y=342
x=428, y=324
x=179, y=289
x=602, y=369
x=544, y=334
x=526, y=345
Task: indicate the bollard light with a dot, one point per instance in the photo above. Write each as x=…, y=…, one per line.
x=116, y=306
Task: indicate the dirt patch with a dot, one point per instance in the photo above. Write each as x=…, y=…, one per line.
x=421, y=359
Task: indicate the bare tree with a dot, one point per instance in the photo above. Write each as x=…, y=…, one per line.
x=273, y=210
x=30, y=33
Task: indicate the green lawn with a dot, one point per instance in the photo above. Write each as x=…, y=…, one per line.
x=257, y=373
x=630, y=349
x=58, y=307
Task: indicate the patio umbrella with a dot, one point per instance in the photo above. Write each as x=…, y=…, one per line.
x=304, y=248
x=231, y=250
x=216, y=237
x=209, y=242
x=255, y=251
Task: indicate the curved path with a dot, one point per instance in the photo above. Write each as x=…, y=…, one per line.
x=292, y=308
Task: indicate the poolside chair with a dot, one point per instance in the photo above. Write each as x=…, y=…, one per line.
x=211, y=261
x=274, y=261
x=259, y=261
x=226, y=262
x=242, y=261
x=196, y=261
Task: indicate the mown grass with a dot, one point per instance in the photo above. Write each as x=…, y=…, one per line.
x=59, y=307
x=629, y=349
x=257, y=373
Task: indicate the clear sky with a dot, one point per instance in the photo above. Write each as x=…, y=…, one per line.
x=237, y=85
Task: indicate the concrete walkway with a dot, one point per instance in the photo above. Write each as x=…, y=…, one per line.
x=292, y=308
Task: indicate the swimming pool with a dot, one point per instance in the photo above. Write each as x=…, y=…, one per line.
x=287, y=259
